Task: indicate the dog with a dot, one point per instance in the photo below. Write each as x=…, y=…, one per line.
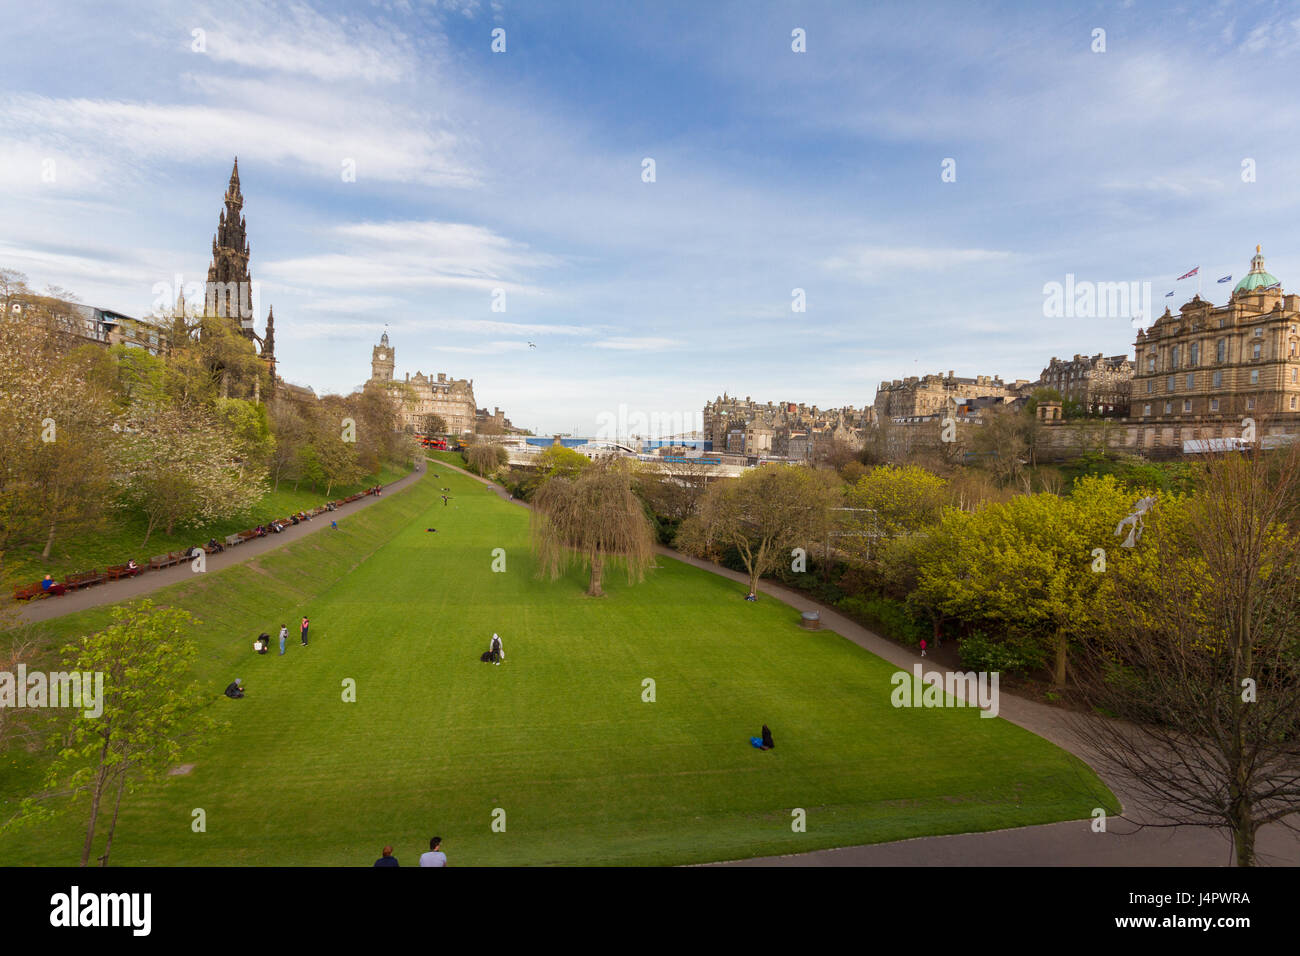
x=487, y=657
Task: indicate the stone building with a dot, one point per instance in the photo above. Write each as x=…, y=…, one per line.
x=780, y=429
x=1100, y=384
x=916, y=397
x=1210, y=364
x=419, y=395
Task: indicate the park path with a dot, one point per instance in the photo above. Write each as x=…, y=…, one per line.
x=128, y=589
x=1072, y=843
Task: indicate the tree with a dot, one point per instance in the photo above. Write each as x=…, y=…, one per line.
x=149, y=712
x=1195, y=654
x=180, y=467
x=1026, y=566
x=763, y=515
x=433, y=424
x=894, y=501
x=1005, y=441
x=484, y=458
x=593, y=519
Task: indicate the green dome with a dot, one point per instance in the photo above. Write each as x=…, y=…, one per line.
x=1255, y=280
x=1258, y=277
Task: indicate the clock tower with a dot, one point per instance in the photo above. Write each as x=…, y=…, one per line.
x=382, y=361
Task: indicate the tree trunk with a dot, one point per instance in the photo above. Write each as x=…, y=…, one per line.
x=1062, y=645
x=49, y=541
x=112, y=826
x=597, y=571
x=100, y=776
x=148, y=531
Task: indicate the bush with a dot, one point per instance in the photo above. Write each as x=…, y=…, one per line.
x=1012, y=654
x=892, y=618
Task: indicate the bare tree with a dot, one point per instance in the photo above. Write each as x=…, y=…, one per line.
x=762, y=515
x=1196, y=654
x=592, y=519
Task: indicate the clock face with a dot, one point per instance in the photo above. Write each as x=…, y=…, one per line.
x=383, y=354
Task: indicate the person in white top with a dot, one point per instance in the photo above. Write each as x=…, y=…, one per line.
x=498, y=652
x=435, y=856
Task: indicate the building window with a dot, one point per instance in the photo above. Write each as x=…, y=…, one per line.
x=1259, y=331
x=1220, y=348
x=1292, y=403
x=1149, y=386
x=1294, y=372
x=1146, y=410
x=1169, y=384
x=1255, y=352
x=1254, y=376
x=1173, y=357
x=1250, y=403
x=1214, y=404
x=1169, y=407
x=1194, y=354
x=1191, y=380
x=1217, y=379
x=1187, y=404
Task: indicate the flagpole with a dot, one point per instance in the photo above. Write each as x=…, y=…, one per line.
x=1198, y=282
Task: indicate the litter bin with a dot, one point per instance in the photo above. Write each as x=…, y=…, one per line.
x=811, y=620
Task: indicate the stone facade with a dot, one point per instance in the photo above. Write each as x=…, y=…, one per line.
x=780, y=429
x=1216, y=365
x=418, y=395
x=931, y=394
x=1101, y=384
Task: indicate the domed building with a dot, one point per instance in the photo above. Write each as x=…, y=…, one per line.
x=1209, y=365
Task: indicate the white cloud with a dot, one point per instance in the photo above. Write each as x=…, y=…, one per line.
x=878, y=262
x=645, y=344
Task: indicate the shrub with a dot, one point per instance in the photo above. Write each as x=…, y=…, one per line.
x=1013, y=654
x=892, y=618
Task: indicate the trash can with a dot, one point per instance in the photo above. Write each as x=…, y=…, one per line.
x=810, y=620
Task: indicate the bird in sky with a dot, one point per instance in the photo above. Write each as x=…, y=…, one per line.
x=531, y=345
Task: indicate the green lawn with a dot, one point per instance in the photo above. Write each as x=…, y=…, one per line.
x=123, y=532
x=558, y=737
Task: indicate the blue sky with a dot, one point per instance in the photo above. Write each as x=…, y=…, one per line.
x=775, y=170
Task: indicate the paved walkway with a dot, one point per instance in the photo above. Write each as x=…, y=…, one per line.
x=127, y=589
x=1125, y=842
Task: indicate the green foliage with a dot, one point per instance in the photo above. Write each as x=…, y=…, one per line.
x=890, y=617
x=1010, y=654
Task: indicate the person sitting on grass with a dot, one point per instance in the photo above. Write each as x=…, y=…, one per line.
x=434, y=530
x=387, y=859
x=751, y=596
x=764, y=742
x=236, y=690
x=263, y=643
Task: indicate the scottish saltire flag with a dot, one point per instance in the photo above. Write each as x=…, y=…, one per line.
x=1168, y=294
x=1226, y=279
x=1187, y=275
x=1275, y=285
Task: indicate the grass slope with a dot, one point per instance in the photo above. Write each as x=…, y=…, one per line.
x=123, y=532
x=558, y=737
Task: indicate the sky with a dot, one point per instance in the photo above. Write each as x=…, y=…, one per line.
x=921, y=171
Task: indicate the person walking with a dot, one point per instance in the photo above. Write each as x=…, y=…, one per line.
x=498, y=652
x=305, y=622
x=923, y=647
x=284, y=634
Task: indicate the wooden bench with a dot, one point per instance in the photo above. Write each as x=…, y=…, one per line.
x=233, y=539
x=36, y=591
x=116, y=571
x=166, y=560
x=85, y=579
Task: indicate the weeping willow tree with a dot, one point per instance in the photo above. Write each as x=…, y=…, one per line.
x=592, y=519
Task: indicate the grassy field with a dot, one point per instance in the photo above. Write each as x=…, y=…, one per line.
x=123, y=533
x=559, y=737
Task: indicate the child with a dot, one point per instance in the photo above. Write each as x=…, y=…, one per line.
x=923, y=647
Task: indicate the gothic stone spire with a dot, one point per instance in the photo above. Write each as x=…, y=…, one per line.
x=230, y=249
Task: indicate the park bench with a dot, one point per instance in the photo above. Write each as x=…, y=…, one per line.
x=247, y=535
x=233, y=539
x=116, y=571
x=85, y=579
x=166, y=560
x=36, y=591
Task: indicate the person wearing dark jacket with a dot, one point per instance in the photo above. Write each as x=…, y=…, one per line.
x=235, y=690
x=387, y=859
